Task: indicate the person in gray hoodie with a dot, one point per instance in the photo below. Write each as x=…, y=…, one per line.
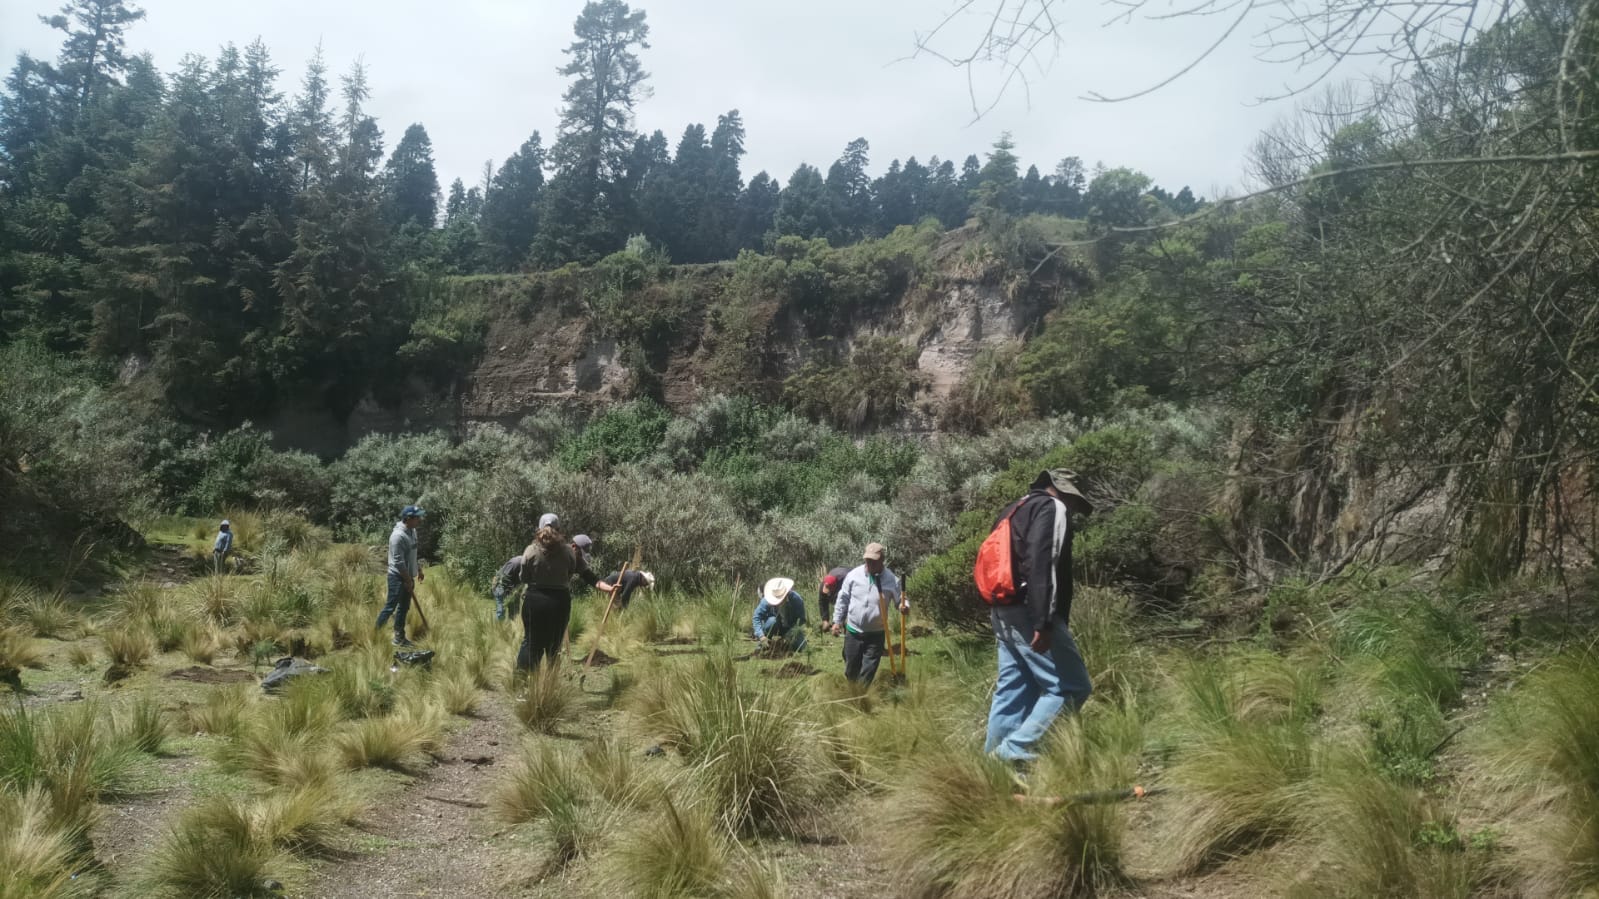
x=861, y=613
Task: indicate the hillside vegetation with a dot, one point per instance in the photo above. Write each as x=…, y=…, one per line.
x=1336, y=598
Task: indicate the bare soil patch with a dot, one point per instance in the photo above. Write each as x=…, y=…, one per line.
x=199, y=674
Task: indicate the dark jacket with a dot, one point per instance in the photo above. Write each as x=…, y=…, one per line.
x=631, y=581
x=551, y=567
x=1041, y=556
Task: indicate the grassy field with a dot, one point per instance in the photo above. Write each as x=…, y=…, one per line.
x=1360, y=741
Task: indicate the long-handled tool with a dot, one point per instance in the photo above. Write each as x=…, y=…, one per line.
x=416, y=603
x=888, y=634
x=598, y=634
x=1094, y=797
x=904, y=637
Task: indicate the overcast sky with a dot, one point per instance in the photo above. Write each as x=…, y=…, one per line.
x=807, y=77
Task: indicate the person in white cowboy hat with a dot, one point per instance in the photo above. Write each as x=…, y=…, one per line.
x=780, y=615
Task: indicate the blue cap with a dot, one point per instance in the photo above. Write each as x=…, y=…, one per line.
x=409, y=511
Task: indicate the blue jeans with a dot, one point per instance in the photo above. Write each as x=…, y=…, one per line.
x=1033, y=687
x=398, y=604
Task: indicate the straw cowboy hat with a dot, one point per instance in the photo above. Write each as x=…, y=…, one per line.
x=777, y=590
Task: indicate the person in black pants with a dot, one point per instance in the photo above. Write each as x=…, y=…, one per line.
x=632, y=580
x=861, y=613
x=548, y=563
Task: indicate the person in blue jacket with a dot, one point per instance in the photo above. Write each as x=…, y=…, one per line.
x=780, y=616
x=222, y=546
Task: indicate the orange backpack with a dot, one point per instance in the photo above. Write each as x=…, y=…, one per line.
x=995, y=576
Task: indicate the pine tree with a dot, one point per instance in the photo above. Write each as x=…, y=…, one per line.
x=510, y=220
x=850, y=188
x=947, y=199
x=1068, y=184
x=998, y=190
x=916, y=183
x=679, y=202
x=410, y=184
x=719, y=215
x=1034, y=192
x=645, y=189
x=804, y=208
x=580, y=214
x=895, y=203
x=66, y=128
x=757, y=211
x=455, y=205
x=341, y=318
x=312, y=124
x=92, y=55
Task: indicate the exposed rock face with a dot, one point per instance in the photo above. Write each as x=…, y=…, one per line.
x=545, y=348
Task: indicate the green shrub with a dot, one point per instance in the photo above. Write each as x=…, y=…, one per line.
x=626, y=433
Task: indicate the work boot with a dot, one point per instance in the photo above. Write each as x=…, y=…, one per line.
x=402, y=642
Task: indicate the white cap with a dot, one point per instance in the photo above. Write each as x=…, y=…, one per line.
x=548, y=520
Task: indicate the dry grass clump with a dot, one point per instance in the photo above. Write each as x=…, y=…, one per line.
x=751, y=752
x=222, y=713
x=546, y=787
x=66, y=753
x=216, y=849
x=18, y=650
x=458, y=692
x=616, y=775
x=958, y=829
x=214, y=599
x=389, y=742
x=1244, y=753
x=170, y=628
x=129, y=647
x=141, y=725
x=48, y=616
x=286, y=743
x=81, y=655
x=201, y=645
x=1370, y=835
x=1541, y=750
x=39, y=858
x=545, y=699
x=676, y=853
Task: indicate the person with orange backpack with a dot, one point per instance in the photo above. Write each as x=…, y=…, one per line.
x=1024, y=573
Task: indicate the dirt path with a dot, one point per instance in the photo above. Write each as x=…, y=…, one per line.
x=417, y=846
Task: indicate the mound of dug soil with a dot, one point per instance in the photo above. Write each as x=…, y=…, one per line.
x=201, y=675
x=795, y=669
x=601, y=659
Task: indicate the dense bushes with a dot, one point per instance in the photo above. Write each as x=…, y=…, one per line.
x=1135, y=538
x=73, y=460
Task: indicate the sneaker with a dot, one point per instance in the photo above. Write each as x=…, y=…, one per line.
x=402, y=642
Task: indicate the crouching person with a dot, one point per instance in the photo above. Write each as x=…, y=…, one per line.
x=780, y=616
x=1041, y=672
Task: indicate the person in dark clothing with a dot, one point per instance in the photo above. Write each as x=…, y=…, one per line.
x=548, y=563
x=505, y=581
x=827, y=593
x=632, y=580
x=1041, y=672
